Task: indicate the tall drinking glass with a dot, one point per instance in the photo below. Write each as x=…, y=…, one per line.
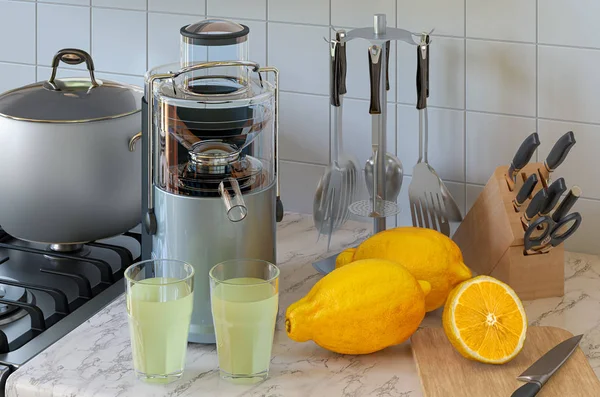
x=244, y=299
x=159, y=307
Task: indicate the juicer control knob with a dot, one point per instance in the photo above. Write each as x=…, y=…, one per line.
x=278, y=210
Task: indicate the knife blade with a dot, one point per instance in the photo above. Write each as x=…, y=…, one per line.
x=533, y=208
x=525, y=191
x=522, y=157
x=540, y=371
x=565, y=206
x=559, y=152
x=554, y=192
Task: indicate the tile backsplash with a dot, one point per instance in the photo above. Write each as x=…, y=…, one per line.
x=499, y=71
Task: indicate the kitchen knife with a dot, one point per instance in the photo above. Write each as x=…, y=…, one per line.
x=538, y=374
x=559, y=152
x=525, y=191
x=521, y=158
x=554, y=192
x=565, y=206
x=534, y=208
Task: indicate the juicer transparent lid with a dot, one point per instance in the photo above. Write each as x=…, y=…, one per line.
x=215, y=32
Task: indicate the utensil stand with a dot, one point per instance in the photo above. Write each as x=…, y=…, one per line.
x=491, y=240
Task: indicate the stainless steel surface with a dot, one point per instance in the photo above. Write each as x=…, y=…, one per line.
x=196, y=230
x=66, y=247
x=134, y=140
x=394, y=174
x=550, y=362
x=379, y=24
x=71, y=56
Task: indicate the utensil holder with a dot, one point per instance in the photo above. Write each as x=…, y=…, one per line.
x=491, y=240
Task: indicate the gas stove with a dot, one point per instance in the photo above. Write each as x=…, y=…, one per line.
x=45, y=294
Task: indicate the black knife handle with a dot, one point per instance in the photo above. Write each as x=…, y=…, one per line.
x=375, y=78
x=387, y=65
x=342, y=64
x=535, y=205
x=523, y=155
x=334, y=80
x=525, y=191
x=565, y=206
x=554, y=192
x=559, y=151
x=422, y=72
x=527, y=390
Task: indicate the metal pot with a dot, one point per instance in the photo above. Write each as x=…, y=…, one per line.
x=69, y=171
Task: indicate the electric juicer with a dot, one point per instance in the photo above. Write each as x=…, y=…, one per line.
x=211, y=183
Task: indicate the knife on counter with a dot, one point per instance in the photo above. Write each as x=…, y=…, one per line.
x=522, y=157
x=559, y=152
x=525, y=192
x=554, y=192
x=540, y=371
x=534, y=207
x=565, y=206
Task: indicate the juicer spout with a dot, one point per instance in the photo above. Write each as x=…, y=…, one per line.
x=234, y=204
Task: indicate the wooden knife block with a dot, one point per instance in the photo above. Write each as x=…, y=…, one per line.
x=491, y=240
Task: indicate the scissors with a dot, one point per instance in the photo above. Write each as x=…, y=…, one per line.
x=544, y=233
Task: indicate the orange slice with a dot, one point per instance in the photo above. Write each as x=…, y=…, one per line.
x=485, y=320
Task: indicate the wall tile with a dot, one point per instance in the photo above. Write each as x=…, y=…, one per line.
x=360, y=14
x=119, y=40
x=257, y=49
x=446, y=73
x=188, y=7
x=501, y=77
x=502, y=20
x=251, y=9
x=446, y=141
x=20, y=75
x=491, y=141
x=473, y=191
x=129, y=4
x=447, y=17
x=585, y=238
x=567, y=23
x=298, y=184
x=60, y=27
x=304, y=138
x=357, y=78
x=43, y=72
x=307, y=11
x=123, y=78
x=164, y=37
x=306, y=68
x=72, y=2
x=356, y=126
x=17, y=35
x=568, y=78
x=581, y=166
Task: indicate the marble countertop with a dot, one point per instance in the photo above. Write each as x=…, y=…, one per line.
x=95, y=359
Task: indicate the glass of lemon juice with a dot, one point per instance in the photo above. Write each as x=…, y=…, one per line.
x=244, y=300
x=159, y=307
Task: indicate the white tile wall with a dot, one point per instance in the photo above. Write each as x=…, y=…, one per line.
x=499, y=71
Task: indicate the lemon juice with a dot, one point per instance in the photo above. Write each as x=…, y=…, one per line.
x=244, y=314
x=159, y=311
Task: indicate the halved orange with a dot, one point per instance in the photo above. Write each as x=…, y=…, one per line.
x=485, y=320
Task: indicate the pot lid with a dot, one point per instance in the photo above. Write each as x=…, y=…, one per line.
x=215, y=32
x=71, y=100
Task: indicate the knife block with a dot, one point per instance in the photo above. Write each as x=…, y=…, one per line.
x=491, y=240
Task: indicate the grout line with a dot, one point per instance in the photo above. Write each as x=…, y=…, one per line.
x=147, y=36
x=91, y=29
x=537, y=76
x=206, y=8
x=302, y=162
x=267, y=33
x=35, y=39
x=328, y=90
x=465, y=105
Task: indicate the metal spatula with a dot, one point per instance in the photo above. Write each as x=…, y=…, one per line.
x=431, y=204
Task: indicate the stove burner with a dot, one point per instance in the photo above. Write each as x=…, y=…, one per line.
x=8, y=313
x=79, y=250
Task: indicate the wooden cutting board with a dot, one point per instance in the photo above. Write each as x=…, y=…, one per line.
x=445, y=373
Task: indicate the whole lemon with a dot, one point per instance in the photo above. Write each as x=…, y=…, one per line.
x=361, y=308
x=427, y=254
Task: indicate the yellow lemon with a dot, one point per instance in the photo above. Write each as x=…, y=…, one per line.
x=426, y=253
x=361, y=308
x=485, y=320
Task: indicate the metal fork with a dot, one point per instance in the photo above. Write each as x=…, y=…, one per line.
x=428, y=211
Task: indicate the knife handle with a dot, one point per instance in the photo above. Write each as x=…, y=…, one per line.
x=422, y=72
x=522, y=157
x=565, y=206
x=527, y=390
x=534, y=206
x=525, y=191
x=559, y=151
x=555, y=191
x=334, y=73
x=375, y=78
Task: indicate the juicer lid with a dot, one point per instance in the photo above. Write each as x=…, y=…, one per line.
x=215, y=32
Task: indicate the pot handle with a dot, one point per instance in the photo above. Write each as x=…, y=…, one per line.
x=72, y=56
x=133, y=141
